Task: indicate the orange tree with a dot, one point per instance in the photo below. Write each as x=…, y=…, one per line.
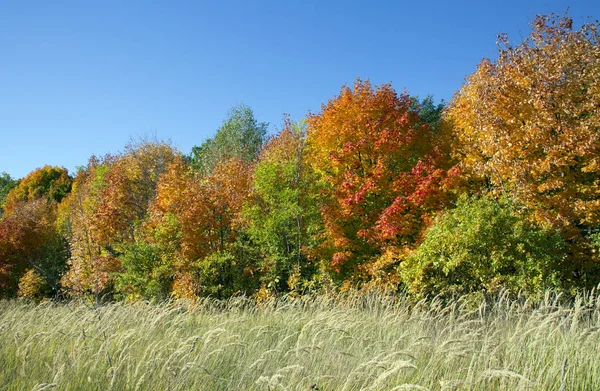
x=527, y=125
x=380, y=172
x=131, y=183
x=192, y=229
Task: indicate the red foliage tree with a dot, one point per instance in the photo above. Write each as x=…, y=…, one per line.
x=381, y=175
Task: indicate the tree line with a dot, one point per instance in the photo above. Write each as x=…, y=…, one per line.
x=498, y=189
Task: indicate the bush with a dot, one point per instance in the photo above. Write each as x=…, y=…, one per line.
x=146, y=274
x=484, y=245
x=223, y=274
x=32, y=286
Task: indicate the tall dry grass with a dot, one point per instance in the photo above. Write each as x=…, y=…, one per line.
x=327, y=343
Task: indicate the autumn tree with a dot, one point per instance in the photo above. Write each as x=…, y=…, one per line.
x=227, y=188
x=105, y=211
x=527, y=125
x=131, y=182
x=193, y=226
x=29, y=241
x=241, y=136
x=51, y=183
x=282, y=216
x=172, y=238
x=378, y=162
x=89, y=266
x=227, y=269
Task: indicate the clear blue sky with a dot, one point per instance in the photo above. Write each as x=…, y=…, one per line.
x=81, y=77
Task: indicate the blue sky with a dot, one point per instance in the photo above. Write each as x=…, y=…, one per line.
x=82, y=77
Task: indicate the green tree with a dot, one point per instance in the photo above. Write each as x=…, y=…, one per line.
x=283, y=214
x=147, y=273
x=241, y=136
x=429, y=112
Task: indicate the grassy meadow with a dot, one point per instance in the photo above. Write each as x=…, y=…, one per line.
x=325, y=343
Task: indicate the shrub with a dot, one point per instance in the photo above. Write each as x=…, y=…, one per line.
x=484, y=245
x=225, y=273
x=32, y=286
x=146, y=274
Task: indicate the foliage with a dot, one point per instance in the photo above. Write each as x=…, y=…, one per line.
x=282, y=216
x=429, y=111
x=241, y=136
x=595, y=240
x=29, y=240
x=177, y=213
x=228, y=189
x=147, y=274
x=52, y=183
x=110, y=200
x=528, y=124
x=378, y=164
x=32, y=286
x=194, y=218
x=31, y=247
x=223, y=274
x=485, y=245
x=131, y=185
x=7, y=183
x=89, y=264
x=176, y=226
x=355, y=196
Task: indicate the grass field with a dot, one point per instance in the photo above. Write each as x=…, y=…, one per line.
x=324, y=343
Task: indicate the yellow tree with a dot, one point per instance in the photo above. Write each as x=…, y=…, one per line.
x=90, y=266
x=52, y=183
x=528, y=123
